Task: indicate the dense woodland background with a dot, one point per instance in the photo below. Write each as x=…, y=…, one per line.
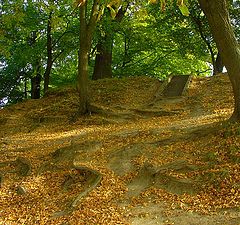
x=140, y=146
x=39, y=44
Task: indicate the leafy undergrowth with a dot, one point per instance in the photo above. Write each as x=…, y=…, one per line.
x=118, y=145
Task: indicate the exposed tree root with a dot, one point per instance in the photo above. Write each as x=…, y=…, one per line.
x=159, y=177
x=23, y=166
x=93, y=182
x=151, y=113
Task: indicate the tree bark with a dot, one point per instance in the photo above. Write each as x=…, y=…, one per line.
x=218, y=65
x=25, y=88
x=36, y=84
x=82, y=81
x=217, y=14
x=87, y=27
x=36, y=78
x=103, y=61
x=49, y=54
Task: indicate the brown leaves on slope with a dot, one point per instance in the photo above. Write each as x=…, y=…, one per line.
x=209, y=99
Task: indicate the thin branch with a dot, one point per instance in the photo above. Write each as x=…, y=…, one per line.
x=54, y=59
x=93, y=17
x=204, y=38
x=61, y=36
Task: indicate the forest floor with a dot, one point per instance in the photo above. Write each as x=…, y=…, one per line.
x=142, y=159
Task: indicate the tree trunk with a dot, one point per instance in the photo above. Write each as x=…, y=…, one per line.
x=36, y=79
x=36, y=84
x=84, y=47
x=218, y=65
x=25, y=88
x=103, y=61
x=82, y=82
x=217, y=14
x=47, y=76
x=49, y=54
x=87, y=28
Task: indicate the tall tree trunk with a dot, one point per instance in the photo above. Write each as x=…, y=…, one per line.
x=82, y=82
x=49, y=54
x=103, y=61
x=87, y=28
x=217, y=14
x=36, y=84
x=84, y=47
x=218, y=65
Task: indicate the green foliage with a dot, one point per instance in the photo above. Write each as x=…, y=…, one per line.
x=158, y=44
x=184, y=10
x=235, y=16
x=23, y=42
x=148, y=41
x=65, y=72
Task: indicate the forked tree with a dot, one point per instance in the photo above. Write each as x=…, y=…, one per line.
x=90, y=11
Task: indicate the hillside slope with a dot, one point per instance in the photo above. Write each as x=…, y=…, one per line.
x=161, y=160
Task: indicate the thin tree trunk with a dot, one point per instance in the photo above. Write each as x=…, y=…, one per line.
x=199, y=24
x=36, y=84
x=25, y=88
x=49, y=54
x=82, y=78
x=36, y=78
x=126, y=49
x=220, y=24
